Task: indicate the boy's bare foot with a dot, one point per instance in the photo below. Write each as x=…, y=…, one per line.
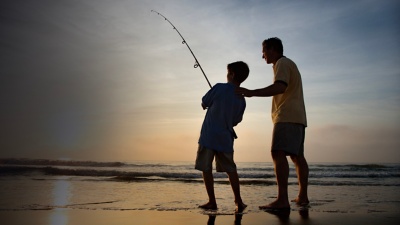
x=240, y=207
x=276, y=205
x=301, y=202
x=209, y=206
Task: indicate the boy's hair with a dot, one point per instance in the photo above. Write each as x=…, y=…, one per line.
x=240, y=69
x=274, y=43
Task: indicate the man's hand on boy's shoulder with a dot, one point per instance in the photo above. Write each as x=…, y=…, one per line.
x=242, y=92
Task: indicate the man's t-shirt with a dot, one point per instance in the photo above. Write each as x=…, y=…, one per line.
x=225, y=110
x=289, y=106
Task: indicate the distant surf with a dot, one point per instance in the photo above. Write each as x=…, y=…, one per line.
x=323, y=174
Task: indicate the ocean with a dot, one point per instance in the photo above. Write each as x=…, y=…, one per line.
x=28, y=184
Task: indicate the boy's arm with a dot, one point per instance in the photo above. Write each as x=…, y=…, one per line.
x=239, y=117
x=207, y=99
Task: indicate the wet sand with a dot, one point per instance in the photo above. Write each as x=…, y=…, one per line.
x=149, y=217
x=39, y=198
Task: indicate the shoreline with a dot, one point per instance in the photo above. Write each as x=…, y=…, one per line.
x=170, y=193
x=62, y=216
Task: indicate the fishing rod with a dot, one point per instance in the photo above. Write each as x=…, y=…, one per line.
x=196, y=63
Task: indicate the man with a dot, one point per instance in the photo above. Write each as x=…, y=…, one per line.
x=289, y=118
x=224, y=111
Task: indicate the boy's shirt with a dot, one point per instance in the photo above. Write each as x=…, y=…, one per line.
x=225, y=110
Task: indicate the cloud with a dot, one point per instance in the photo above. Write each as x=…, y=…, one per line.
x=85, y=78
x=338, y=143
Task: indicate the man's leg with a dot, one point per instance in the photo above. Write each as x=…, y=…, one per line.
x=282, y=175
x=209, y=182
x=302, y=175
x=234, y=180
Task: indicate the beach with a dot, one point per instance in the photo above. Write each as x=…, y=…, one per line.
x=169, y=193
x=184, y=218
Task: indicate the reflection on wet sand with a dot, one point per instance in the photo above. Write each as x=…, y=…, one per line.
x=237, y=221
x=61, y=195
x=284, y=215
x=304, y=214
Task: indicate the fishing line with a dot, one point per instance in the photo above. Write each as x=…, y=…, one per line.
x=196, y=63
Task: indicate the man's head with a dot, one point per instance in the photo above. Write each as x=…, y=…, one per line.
x=272, y=49
x=237, y=72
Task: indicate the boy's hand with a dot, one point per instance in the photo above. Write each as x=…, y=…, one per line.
x=243, y=92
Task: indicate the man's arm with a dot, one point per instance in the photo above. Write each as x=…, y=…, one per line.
x=274, y=89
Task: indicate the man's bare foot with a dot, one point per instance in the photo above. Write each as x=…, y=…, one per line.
x=276, y=205
x=209, y=206
x=301, y=202
x=240, y=207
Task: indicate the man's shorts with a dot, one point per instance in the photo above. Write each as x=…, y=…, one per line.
x=223, y=160
x=288, y=137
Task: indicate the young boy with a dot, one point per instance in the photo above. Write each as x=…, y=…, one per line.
x=224, y=111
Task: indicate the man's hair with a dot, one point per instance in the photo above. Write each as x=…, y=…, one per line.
x=273, y=43
x=240, y=69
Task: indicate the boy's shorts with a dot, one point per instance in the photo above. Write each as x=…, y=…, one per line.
x=288, y=137
x=223, y=160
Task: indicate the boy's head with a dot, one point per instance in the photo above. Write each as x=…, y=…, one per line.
x=238, y=72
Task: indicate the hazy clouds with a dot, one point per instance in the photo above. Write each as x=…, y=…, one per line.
x=109, y=80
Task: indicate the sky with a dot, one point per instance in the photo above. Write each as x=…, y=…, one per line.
x=111, y=81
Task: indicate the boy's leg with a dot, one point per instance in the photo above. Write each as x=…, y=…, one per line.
x=225, y=163
x=209, y=182
x=204, y=160
x=234, y=180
